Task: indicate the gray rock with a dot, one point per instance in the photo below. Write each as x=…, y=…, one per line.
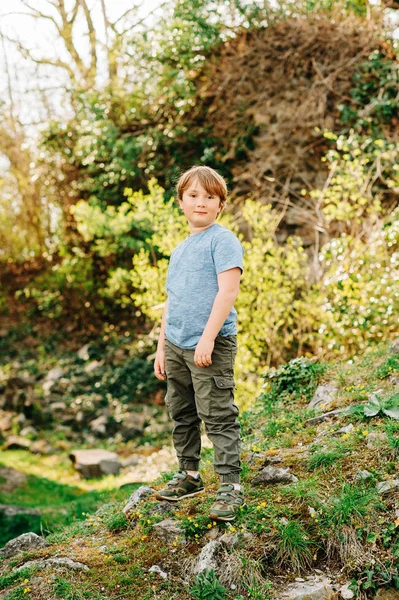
x=158, y=570
x=28, y=430
x=138, y=495
x=12, y=478
x=83, y=353
x=60, y=562
x=394, y=381
x=384, y=487
x=346, y=429
x=230, y=540
x=270, y=475
x=345, y=592
x=133, y=425
x=163, y=508
x=93, y=365
x=41, y=447
x=394, y=348
x=363, y=475
x=57, y=408
x=313, y=588
x=130, y=461
x=15, y=442
x=95, y=463
x=375, y=438
x=13, y=511
x=327, y=415
x=168, y=530
x=207, y=557
x=52, y=376
x=99, y=426
x=27, y=542
x=323, y=396
x=6, y=420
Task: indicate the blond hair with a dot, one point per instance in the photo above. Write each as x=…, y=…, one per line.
x=210, y=180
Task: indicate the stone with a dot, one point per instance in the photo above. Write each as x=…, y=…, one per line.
x=95, y=462
x=270, y=475
x=387, y=594
x=323, y=396
x=233, y=540
x=57, y=407
x=394, y=348
x=15, y=442
x=52, y=376
x=12, y=478
x=41, y=447
x=27, y=542
x=345, y=592
x=390, y=485
x=363, y=475
x=28, y=430
x=83, y=353
x=158, y=570
x=13, y=511
x=6, y=420
x=346, y=429
x=375, y=438
x=207, y=557
x=168, y=530
x=313, y=588
x=130, y=461
x=132, y=425
x=99, y=426
x=93, y=365
x=326, y=415
x=60, y=561
x=138, y=495
x=163, y=508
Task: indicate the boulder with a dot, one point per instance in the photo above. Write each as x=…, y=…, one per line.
x=15, y=442
x=138, y=495
x=168, y=530
x=27, y=542
x=312, y=588
x=132, y=425
x=230, y=540
x=323, y=397
x=59, y=561
x=270, y=475
x=95, y=463
x=163, y=508
x=208, y=556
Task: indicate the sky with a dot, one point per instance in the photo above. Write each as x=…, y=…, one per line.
x=40, y=37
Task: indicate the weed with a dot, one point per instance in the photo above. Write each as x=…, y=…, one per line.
x=207, y=586
x=292, y=545
x=355, y=503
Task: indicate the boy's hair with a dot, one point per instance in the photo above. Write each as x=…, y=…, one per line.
x=210, y=180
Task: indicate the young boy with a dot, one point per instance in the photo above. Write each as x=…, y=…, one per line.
x=198, y=343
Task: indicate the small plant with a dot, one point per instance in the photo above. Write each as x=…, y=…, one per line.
x=298, y=376
x=207, y=586
x=388, y=367
x=377, y=405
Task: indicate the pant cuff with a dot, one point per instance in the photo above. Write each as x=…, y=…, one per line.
x=230, y=477
x=189, y=465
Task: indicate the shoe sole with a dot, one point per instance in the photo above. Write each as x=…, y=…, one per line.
x=159, y=497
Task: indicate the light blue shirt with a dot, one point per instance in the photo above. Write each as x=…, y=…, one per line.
x=192, y=283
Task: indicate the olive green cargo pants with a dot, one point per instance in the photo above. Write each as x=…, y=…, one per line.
x=196, y=394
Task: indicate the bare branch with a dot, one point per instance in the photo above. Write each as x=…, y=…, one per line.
x=92, y=38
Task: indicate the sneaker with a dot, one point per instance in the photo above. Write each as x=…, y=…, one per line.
x=181, y=486
x=228, y=500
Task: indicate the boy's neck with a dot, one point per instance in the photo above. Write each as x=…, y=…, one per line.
x=195, y=230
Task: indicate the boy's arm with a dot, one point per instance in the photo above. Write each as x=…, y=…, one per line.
x=229, y=286
x=161, y=341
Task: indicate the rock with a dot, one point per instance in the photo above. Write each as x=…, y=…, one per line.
x=57, y=408
x=387, y=594
x=41, y=447
x=20, y=382
x=212, y=533
x=13, y=511
x=363, y=475
x=95, y=463
x=15, y=442
x=28, y=430
x=346, y=429
x=130, y=461
x=231, y=541
x=384, y=487
x=59, y=561
x=323, y=397
x=163, y=508
x=394, y=348
x=83, y=353
x=6, y=420
x=207, y=557
x=394, y=381
x=345, y=592
x=27, y=542
x=158, y=570
x=168, y=530
x=132, y=425
x=138, y=495
x=326, y=415
x=99, y=426
x=313, y=588
x=270, y=475
x=375, y=438
x=12, y=478
x=92, y=366
x=52, y=376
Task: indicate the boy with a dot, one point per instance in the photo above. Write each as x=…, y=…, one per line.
x=198, y=343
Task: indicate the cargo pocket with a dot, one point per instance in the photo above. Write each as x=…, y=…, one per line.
x=223, y=406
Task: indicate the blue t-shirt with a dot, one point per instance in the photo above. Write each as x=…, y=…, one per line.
x=192, y=283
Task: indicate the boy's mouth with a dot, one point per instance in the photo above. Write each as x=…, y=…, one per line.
x=199, y=212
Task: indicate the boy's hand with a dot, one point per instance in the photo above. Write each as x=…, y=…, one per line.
x=159, y=365
x=203, y=352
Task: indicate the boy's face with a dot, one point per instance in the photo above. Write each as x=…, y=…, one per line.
x=199, y=207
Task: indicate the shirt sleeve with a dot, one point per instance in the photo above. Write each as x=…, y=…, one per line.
x=228, y=252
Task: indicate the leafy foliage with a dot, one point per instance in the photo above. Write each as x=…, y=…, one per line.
x=207, y=587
